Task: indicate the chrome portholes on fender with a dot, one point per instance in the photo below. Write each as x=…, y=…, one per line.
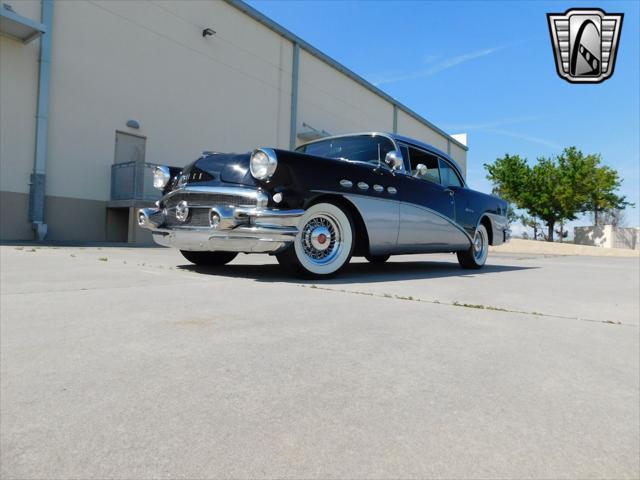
x=476, y=255
x=324, y=243
x=346, y=183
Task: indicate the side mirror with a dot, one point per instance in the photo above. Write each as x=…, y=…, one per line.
x=421, y=170
x=394, y=160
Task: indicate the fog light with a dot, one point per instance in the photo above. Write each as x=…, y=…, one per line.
x=141, y=219
x=215, y=219
x=277, y=197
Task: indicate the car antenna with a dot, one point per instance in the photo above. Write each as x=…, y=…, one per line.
x=379, y=165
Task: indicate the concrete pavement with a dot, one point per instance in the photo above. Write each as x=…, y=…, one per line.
x=129, y=363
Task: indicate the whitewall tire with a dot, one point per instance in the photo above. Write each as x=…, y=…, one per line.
x=476, y=256
x=324, y=243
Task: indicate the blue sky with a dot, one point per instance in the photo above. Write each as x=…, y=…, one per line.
x=485, y=68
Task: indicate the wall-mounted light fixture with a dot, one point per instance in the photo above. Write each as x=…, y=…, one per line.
x=207, y=32
x=133, y=124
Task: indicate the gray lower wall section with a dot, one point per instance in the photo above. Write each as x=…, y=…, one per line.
x=14, y=216
x=69, y=220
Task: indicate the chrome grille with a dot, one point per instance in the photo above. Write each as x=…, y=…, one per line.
x=210, y=199
x=198, y=217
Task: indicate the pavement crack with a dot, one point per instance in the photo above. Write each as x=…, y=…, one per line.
x=455, y=303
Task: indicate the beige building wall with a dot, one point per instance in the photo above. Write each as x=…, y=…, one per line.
x=410, y=127
x=460, y=156
x=114, y=61
x=329, y=100
x=18, y=97
x=188, y=93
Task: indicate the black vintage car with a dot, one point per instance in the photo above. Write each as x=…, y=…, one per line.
x=369, y=194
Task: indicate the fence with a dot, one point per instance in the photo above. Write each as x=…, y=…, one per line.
x=133, y=181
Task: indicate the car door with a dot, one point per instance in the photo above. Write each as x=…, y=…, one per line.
x=427, y=208
x=465, y=215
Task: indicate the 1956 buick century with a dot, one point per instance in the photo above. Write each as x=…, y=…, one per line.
x=368, y=194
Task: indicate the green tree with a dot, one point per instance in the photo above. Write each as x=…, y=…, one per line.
x=510, y=177
x=601, y=189
x=557, y=189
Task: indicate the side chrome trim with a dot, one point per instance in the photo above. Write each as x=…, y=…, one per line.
x=382, y=218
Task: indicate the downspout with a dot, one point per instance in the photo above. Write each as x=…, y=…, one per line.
x=294, y=96
x=36, y=191
x=395, y=118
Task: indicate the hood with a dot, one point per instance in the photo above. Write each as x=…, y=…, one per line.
x=228, y=167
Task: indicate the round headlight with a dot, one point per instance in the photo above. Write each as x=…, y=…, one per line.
x=161, y=176
x=263, y=164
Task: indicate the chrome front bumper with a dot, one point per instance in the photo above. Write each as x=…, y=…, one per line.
x=236, y=229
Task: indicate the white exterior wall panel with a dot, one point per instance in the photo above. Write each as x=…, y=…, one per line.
x=329, y=100
x=188, y=93
x=460, y=156
x=411, y=127
x=114, y=61
x=18, y=100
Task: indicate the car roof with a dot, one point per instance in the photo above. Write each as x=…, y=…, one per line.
x=398, y=138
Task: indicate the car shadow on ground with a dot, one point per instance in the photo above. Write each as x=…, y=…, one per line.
x=359, y=272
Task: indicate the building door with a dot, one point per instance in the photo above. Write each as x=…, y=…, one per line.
x=127, y=187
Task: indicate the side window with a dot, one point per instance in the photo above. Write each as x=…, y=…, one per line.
x=405, y=156
x=428, y=165
x=449, y=176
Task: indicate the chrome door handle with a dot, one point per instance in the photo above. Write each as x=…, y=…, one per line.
x=451, y=192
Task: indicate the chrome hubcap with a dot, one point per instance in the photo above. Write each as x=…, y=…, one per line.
x=478, y=245
x=321, y=239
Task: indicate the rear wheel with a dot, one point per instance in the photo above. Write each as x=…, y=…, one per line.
x=476, y=256
x=377, y=258
x=209, y=259
x=324, y=243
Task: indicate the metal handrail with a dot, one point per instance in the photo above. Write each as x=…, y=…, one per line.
x=133, y=181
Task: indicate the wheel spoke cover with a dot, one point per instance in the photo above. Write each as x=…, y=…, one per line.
x=324, y=240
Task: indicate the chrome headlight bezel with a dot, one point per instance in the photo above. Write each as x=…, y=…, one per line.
x=263, y=164
x=161, y=176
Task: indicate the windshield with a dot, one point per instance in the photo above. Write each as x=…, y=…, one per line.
x=359, y=148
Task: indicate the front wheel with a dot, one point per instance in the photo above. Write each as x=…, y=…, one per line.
x=476, y=256
x=324, y=243
x=209, y=259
